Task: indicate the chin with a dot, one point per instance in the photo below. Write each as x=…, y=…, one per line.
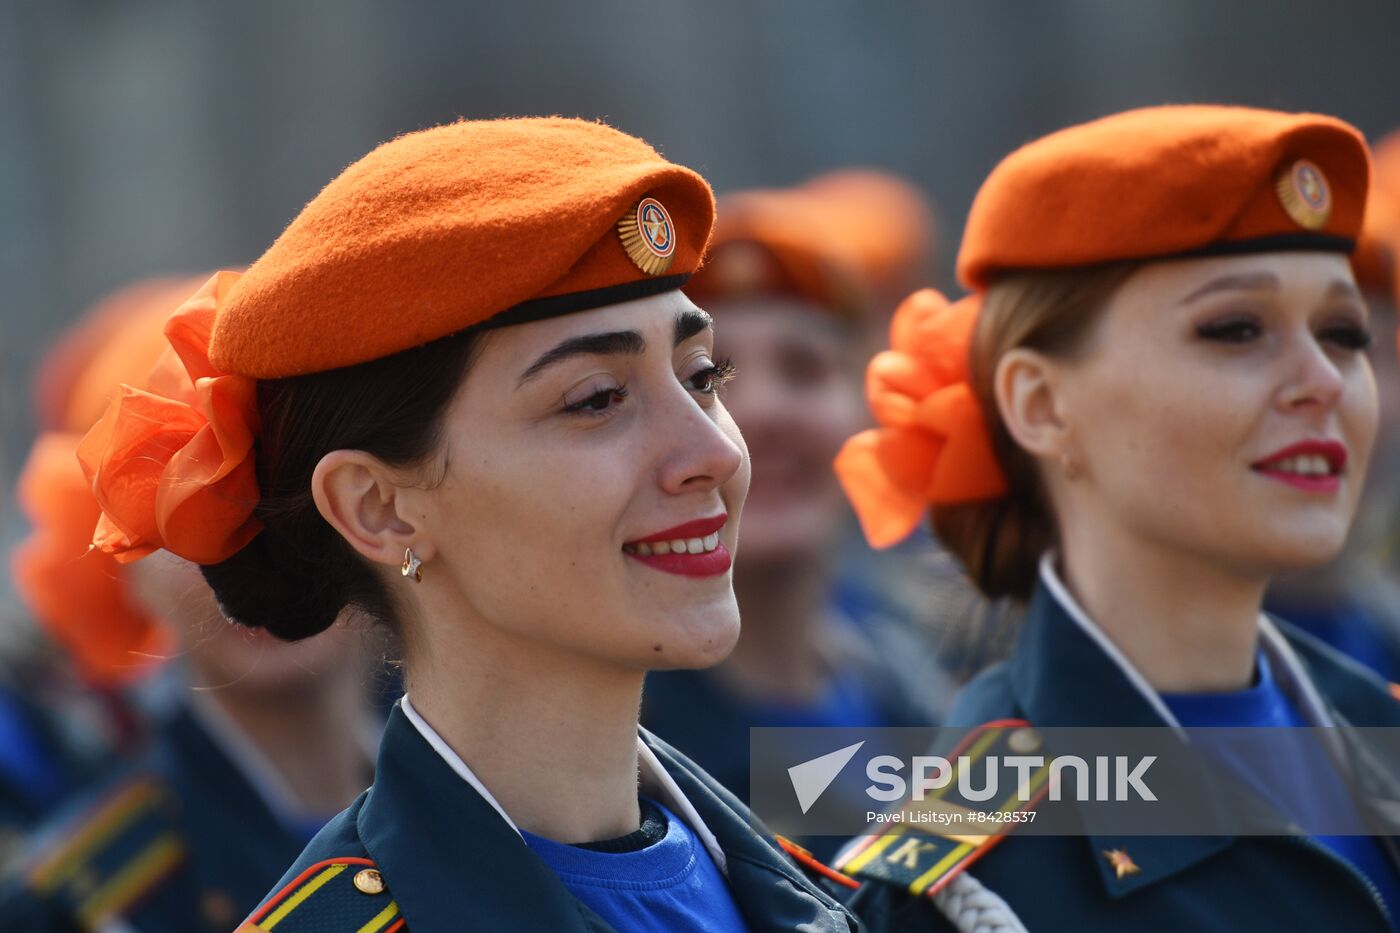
x=703, y=644
x=1291, y=550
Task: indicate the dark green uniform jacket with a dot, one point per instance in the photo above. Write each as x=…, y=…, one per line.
x=422, y=851
x=1059, y=675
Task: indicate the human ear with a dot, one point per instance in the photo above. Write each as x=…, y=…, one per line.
x=1028, y=393
x=362, y=499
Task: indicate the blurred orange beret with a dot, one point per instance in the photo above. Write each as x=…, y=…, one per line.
x=118, y=340
x=74, y=591
x=1169, y=181
x=1378, y=247
x=841, y=241
x=448, y=227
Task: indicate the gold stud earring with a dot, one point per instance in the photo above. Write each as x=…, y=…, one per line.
x=412, y=566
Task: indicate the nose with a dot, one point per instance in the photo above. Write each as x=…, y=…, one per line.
x=697, y=453
x=1316, y=382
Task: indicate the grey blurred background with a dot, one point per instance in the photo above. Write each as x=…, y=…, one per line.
x=172, y=136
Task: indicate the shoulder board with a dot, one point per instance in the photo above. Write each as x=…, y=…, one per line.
x=113, y=854
x=338, y=894
x=924, y=855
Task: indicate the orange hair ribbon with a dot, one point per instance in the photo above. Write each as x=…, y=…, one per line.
x=172, y=464
x=932, y=446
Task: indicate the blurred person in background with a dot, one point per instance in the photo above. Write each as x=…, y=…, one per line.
x=1353, y=603
x=792, y=277
x=69, y=705
x=250, y=745
x=1156, y=400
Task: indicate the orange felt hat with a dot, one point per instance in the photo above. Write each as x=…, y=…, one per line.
x=932, y=446
x=778, y=243
x=474, y=224
x=1169, y=181
x=509, y=220
x=74, y=591
x=886, y=225
x=841, y=240
x=117, y=341
x=1378, y=247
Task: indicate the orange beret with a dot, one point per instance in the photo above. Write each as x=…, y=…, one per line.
x=118, y=340
x=1169, y=181
x=842, y=240
x=778, y=243
x=886, y=224
x=1378, y=247
x=502, y=220
x=75, y=592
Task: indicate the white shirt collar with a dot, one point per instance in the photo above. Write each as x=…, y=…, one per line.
x=1288, y=670
x=653, y=780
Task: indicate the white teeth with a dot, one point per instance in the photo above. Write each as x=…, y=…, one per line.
x=1311, y=465
x=678, y=546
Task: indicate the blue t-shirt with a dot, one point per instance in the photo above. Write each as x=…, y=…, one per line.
x=671, y=884
x=1289, y=771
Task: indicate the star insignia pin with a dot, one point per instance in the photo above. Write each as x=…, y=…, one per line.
x=1121, y=862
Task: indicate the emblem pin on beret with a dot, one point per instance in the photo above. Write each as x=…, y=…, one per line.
x=1303, y=191
x=648, y=236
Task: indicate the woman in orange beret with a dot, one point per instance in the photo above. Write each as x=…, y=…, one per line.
x=1156, y=399
x=462, y=395
x=251, y=744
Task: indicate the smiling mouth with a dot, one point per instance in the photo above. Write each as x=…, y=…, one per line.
x=1316, y=466
x=675, y=546
x=690, y=550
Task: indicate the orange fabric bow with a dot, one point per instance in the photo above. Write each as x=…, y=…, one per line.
x=172, y=464
x=932, y=445
x=73, y=589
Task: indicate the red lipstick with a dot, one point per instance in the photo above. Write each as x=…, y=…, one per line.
x=1313, y=465
x=691, y=549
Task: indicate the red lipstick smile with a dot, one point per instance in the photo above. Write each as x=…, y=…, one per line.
x=1312, y=466
x=690, y=550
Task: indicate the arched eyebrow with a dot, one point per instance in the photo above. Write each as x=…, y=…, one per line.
x=691, y=322
x=1341, y=288
x=613, y=343
x=1254, y=281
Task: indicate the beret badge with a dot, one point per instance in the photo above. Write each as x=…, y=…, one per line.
x=648, y=236
x=1304, y=194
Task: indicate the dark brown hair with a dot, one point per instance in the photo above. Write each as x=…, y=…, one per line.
x=298, y=574
x=1000, y=542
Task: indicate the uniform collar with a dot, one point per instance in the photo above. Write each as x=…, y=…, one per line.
x=441, y=844
x=1061, y=645
x=652, y=780
x=1049, y=650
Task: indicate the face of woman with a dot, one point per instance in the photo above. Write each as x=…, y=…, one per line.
x=1226, y=407
x=798, y=400
x=591, y=488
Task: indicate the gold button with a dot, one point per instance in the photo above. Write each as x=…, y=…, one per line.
x=369, y=881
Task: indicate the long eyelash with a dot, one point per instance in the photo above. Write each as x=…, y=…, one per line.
x=723, y=371
x=581, y=407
